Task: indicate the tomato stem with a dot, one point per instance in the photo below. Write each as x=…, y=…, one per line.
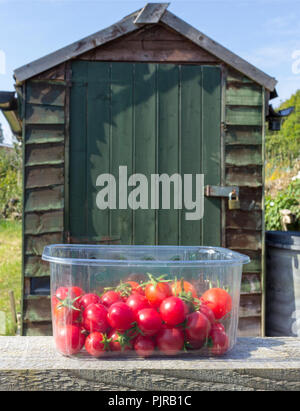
x=155, y=280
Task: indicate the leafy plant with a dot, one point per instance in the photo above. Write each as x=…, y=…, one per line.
x=286, y=199
x=10, y=181
x=283, y=147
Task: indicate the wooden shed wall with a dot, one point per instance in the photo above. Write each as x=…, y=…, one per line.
x=244, y=113
x=44, y=162
x=46, y=140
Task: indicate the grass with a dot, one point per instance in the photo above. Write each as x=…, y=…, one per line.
x=10, y=270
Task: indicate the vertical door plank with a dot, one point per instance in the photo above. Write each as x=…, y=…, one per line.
x=122, y=145
x=98, y=147
x=191, y=143
x=78, y=129
x=168, y=150
x=145, y=133
x=211, y=120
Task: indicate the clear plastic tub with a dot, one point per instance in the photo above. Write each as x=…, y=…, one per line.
x=144, y=300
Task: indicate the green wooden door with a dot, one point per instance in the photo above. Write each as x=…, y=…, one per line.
x=154, y=119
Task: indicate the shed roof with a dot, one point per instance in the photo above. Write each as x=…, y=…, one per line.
x=152, y=13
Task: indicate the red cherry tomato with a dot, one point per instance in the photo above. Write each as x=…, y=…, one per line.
x=110, y=297
x=181, y=285
x=218, y=300
x=157, y=292
x=120, y=316
x=197, y=328
x=137, y=302
x=170, y=341
x=149, y=321
x=62, y=292
x=96, y=344
x=173, y=311
x=218, y=326
x=204, y=309
x=65, y=310
x=135, y=287
x=77, y=291
x=95, y=318
x=144, y=346
x=69, y=339
x=220, y=342
x=119, y=341
x=88, y=299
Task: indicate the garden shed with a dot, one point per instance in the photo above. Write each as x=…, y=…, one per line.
x=156, y=95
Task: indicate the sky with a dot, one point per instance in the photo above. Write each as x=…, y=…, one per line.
x=264, y=32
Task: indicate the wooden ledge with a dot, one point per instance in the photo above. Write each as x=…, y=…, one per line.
x=31, y=363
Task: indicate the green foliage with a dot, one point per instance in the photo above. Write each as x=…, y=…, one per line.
x=10, y=180
x=283, y=147
x=1, y=135
x=10, y=271
x=286, y=199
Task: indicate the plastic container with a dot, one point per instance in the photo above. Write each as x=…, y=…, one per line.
x=144, y=300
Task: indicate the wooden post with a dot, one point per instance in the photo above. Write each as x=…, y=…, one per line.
x=13, y=309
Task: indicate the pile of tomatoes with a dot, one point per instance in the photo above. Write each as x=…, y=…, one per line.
x=159, y=316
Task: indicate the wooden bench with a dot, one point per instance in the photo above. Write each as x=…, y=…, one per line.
x=31, y=363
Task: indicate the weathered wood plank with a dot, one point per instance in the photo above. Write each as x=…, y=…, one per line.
x=251, y=283
x=41, y=133
x=45, y=94
x=55, y=73
x=31, y=363
x=255, y=260
x=157, y=32
x=211, y=151
x=244, y=95
x=44, y=154
x=34, y=266
x=243, y=239
x=169, y=51
x=168, y=143
x=250, y=198
x=249, y=327
x=39, y=223
x=122, y=148
x=151, y=13
x=244, y=115
x=43, y=176
x=34, y=245
x=36, y=308
x=250, y=176
x=250, y=305
x=44, y=199
x=42, y=114
x=248, y=220
x=145, y=141
x=190, y=149
x=243, y=135
x=36, y=329
x=243, y=155
x=237, y=77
